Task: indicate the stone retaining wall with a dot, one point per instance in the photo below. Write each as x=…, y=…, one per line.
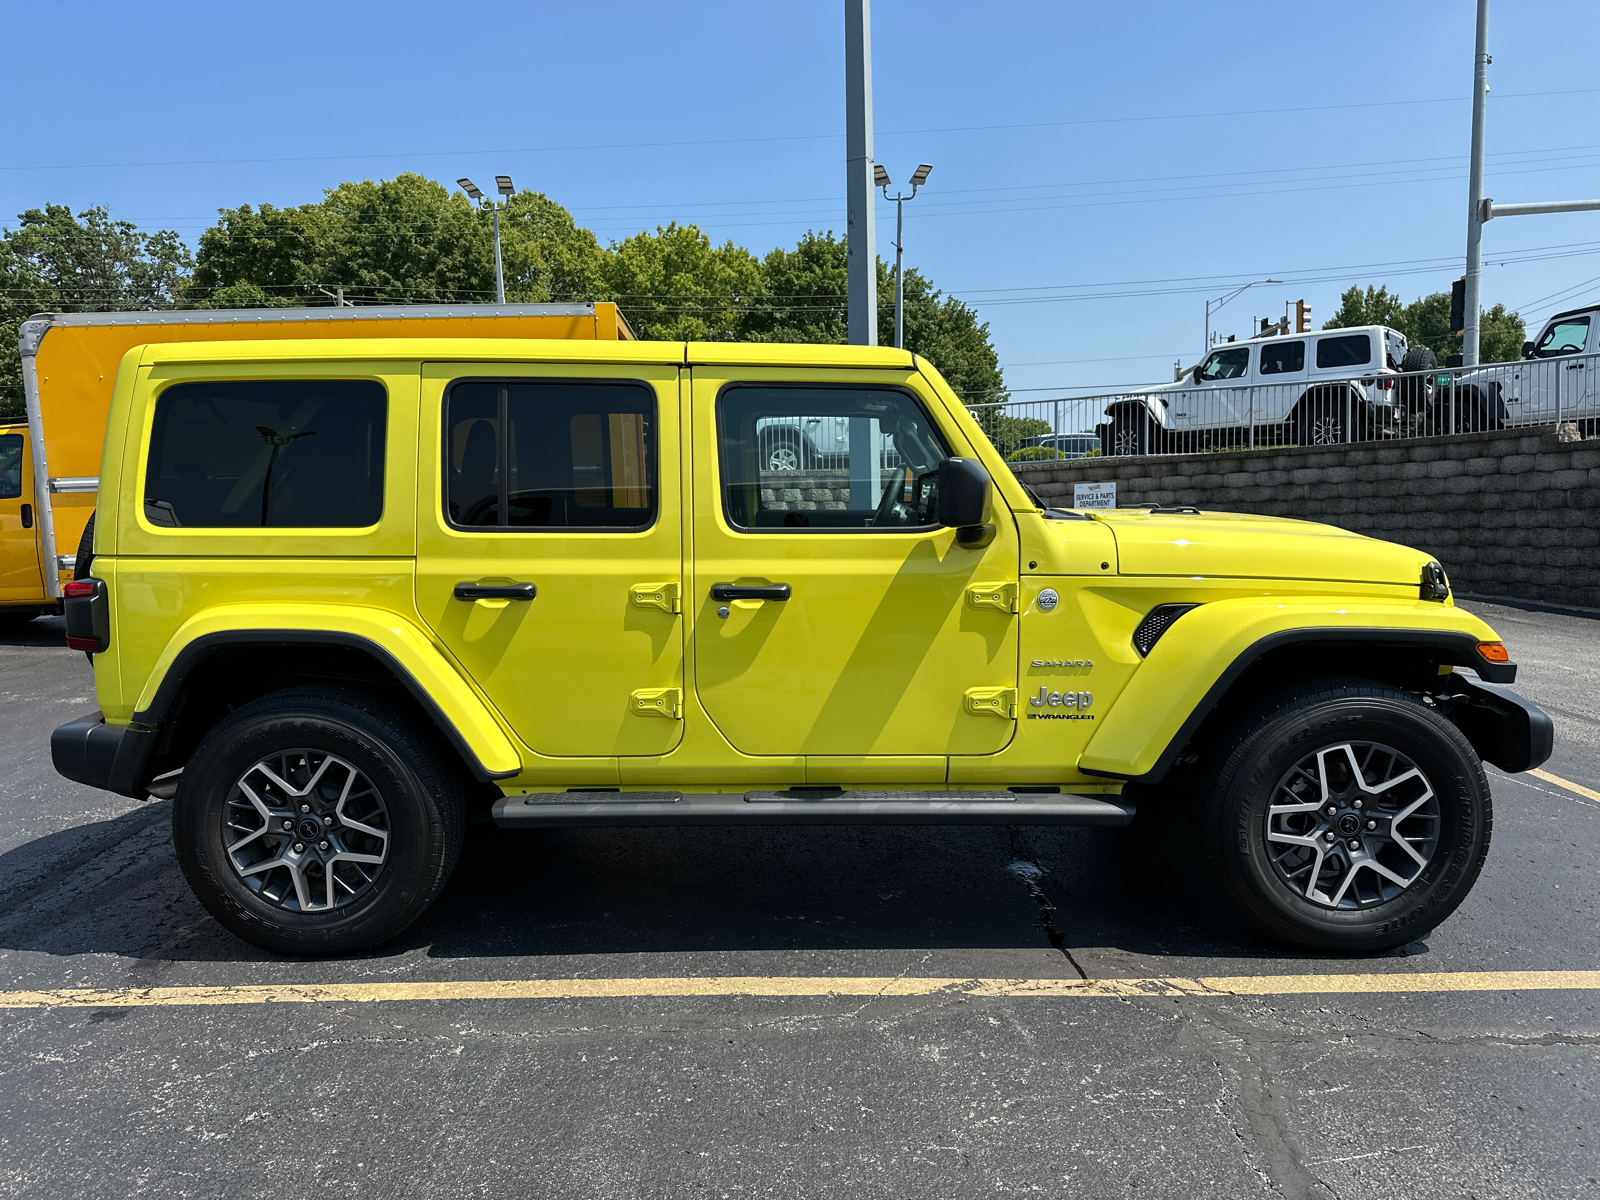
x=1510, y=513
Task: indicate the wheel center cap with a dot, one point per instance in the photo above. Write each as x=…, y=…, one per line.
x=1348, y=825
x=309, y=828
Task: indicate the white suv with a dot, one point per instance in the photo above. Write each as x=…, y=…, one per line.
x=1334, y=385
x=1553, y=381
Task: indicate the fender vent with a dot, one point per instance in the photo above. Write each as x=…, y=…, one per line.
x=1156, y=622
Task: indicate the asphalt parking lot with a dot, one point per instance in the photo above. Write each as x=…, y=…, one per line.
x=647, y=1069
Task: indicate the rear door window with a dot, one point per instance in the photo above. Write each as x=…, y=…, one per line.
x=1353, y=350
x=1280, y=358
x=280, y=453
x=579, y=454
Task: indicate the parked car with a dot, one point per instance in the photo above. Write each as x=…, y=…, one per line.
x=1314, y=389
x=1553, y=381
x=342, y=593
x=1055, y=446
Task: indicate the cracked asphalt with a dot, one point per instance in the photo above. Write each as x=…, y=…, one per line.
x=1415, y=1095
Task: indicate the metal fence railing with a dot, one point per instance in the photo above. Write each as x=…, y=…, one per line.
x=1311, y=410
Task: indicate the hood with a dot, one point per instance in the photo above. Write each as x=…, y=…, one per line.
x=1241, y=545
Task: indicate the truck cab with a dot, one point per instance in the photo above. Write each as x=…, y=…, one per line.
x=343, y=591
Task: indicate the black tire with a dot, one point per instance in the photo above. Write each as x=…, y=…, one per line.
x=1250, y=850
x=1321, y=418
x=1131, y=433
x=84, y=562
x=783, y=451
x=419, y=807
x=1415, y=391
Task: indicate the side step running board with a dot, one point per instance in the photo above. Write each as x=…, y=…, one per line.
x=823, y=807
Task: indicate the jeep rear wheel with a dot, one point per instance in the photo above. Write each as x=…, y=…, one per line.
x=316, y=823
x=1132, y=433
x=1345, y=816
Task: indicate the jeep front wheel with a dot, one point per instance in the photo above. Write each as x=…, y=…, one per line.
x=316, y=823
x=1346, y=816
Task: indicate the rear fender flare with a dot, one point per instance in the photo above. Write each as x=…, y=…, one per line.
x=462, y=717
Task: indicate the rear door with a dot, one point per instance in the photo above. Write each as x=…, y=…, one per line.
x=833, y=618
x=549, y=549
x=20, y=578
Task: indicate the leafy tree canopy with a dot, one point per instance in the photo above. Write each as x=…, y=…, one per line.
x=55, y=261
x=1426, y=322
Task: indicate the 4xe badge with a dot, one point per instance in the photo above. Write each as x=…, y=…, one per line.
x=1048, y=600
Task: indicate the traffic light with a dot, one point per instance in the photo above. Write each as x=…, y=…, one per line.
x=1302, y=317
x=1458, y=305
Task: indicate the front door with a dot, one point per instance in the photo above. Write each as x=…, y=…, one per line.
x=549, y=553
x=1221, y=397
x=834, y=618
x=19, y=535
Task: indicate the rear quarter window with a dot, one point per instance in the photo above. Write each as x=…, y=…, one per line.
x=10, y=466
x=1353, y=350
x=293, y=453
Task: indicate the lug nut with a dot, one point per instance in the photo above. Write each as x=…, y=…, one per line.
x=305, y=808
x=1330, y=810
x=288, y=824
x=322, y=845
x=1354, y=844
x=1372, y=824
x=327, y=820
x=299, y=847
x=1328, y=836
x=1355, y=804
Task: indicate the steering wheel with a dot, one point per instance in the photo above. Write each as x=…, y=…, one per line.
x=892, y=506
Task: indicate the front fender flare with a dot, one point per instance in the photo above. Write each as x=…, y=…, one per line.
x=461, y=715
x=1204, y=653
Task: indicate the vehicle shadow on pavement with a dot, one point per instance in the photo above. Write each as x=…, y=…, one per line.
x=43, y=631
x=114, y=887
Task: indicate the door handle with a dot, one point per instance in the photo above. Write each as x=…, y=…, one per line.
x=495, y=591
x=740, y=591
x=27, y=516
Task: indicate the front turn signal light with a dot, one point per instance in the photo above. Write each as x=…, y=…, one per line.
x=1494, y=652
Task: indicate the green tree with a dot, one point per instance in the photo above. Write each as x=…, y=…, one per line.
x=1375, y=306
x=1426, y=322
x=57, y=262
x=674, y=283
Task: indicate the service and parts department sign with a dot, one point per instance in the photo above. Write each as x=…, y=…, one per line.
x=1094, y=495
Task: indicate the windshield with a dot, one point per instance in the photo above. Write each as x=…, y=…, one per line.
x=1564, y=337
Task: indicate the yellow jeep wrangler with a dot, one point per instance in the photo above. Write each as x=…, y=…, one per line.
x=340, y=591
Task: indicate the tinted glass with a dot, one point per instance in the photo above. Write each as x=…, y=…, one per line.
x=10, y=466
x=1279, y=357
x=827, y=458
x=1566, y=338
x=579, y=456
x=1352, y=351
x=294, y=453
x=1226, y=364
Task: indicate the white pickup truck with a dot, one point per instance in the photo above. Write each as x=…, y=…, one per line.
x=1321, y=388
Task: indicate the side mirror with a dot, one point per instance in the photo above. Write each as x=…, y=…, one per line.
x=964, y=500
x=1527, y=349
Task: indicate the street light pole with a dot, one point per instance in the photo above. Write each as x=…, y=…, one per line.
x=1480, y=89
x=1216, y=306
x=861, y=250
x=503, y=186
x=918, y=178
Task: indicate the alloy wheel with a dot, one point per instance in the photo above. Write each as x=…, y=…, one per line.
x=306, y=830
x=1352, y=825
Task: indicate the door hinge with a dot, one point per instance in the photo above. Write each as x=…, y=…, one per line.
x=993, y=702
x=655, y=595
x=993, y=595
x=659, y=702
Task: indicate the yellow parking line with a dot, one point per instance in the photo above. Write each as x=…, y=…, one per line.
x=1566, y=783
x=805, y=985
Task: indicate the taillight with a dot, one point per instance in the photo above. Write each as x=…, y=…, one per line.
x=1386, y=382
x=88, y=611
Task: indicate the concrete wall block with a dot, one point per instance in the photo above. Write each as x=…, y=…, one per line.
x=1444, y=468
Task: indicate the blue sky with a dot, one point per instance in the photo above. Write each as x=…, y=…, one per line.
x=1099, y=169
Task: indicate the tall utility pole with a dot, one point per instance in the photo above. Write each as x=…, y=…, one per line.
x=860, y=237
x=1480, y=89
